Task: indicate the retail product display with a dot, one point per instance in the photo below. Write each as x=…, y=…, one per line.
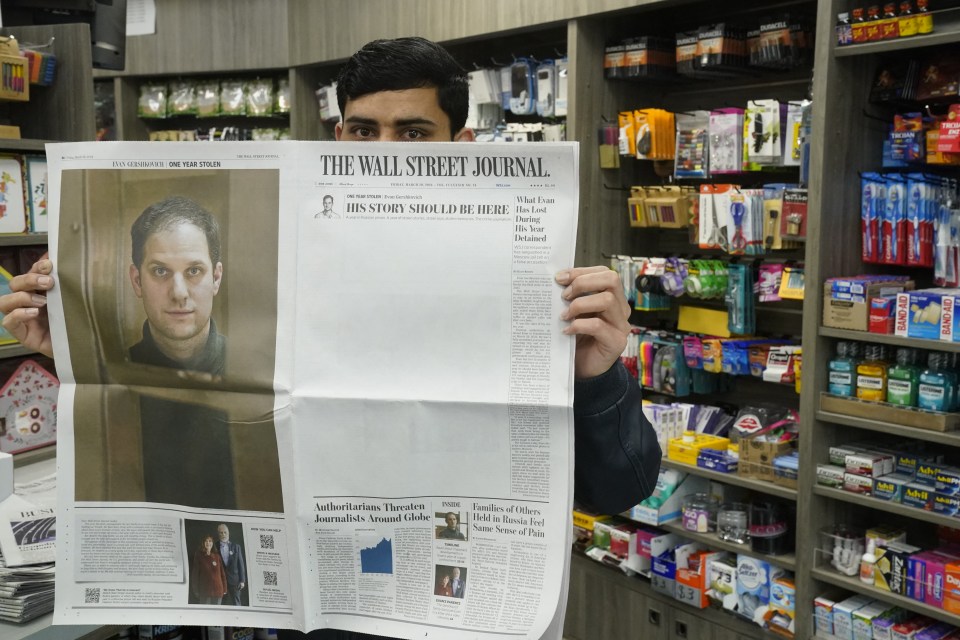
x=208, y=98
x=898, y=20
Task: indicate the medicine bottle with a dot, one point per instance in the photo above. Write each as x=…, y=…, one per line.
x=868, y=563
x=858, y=26
x=873, y=23
x=908, y=21
x=872, y=374
x=937, y=384
x=842, y=370
x=924, y=18
x=903, y=378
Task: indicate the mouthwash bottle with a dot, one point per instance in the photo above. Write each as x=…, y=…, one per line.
x=937, y=384
x=903, y=379
x=872, y=374
x=843, y=369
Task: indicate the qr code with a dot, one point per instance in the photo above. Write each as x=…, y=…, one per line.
x=92, y=595
x=270, y=578
x=266, y=541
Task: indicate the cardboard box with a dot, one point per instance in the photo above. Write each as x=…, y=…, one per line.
x=946, y=505
x=843, y=310
x=920, y=314
x=891, y=568
x=722, y=581
x=857, y=484
x=693, y=579
x=908, y=629
x=756, y=457
x=830, y=475
x=918, y=496
x=843, y=615
x=663, y=578
x=823, y=615
x=754, y=578
x=947, y=481
x=864, y=617
x=890, y=487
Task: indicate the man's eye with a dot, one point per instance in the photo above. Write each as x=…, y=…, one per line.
x=160, y=272
x=194, y=271
x=414, y=134
x=363, y=132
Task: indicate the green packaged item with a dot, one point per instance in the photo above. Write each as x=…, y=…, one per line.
x=259, y=97
x=232, y=100
x=281, y=103
x=208, y=98
x=153, y=101
x=182, y=98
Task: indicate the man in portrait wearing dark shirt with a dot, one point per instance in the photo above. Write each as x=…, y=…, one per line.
x=176, y=271
x=452, y=530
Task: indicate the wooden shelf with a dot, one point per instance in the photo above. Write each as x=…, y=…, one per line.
x=854, y=584
x=733, y=479
x=34, y=455
x=42, y=628
x=886, y=505
x=897, y=341
x=946, y=30
x=951, y=438
x=787, y=560
x=22, y=239
x=24, y=144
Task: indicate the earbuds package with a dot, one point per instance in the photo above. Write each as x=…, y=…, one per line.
x=546, y=88
x=523, y=89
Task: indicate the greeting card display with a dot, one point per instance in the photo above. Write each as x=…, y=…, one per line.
x=13, y=212
x=28, y=409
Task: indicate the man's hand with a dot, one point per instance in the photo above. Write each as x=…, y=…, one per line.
x=598, y=315
x=241, y=585
x=25, y=309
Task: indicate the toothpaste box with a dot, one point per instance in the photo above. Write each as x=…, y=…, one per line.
x=843, y=615
x=881, y=315
x=830, y=475
x=947, y=481
x=890, y=487
x=918, y=496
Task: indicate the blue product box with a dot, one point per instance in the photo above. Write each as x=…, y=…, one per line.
x=948, y=481
x=918, y=496
x=947, y=505
x=715, y=460
x=907, y=463
x=890, y=487
x=927, y=474
x=664, y=575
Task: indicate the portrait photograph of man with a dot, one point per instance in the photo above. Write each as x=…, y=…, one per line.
x=173, y=411
x=451, y=528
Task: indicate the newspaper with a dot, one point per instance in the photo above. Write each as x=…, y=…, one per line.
x=356, y=414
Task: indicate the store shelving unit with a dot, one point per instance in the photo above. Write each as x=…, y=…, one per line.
x=888, y=506
x=947, y=31
x=786, y=560
x=732, y=479
x=950, y=438
x=894, y=341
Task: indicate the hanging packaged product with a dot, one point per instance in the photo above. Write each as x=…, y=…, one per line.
x=775, y=47
x=259, y=97
x=655, y=130
x=770, y=276
x=182, y=98
x=949, y=139
x=636, y=207
x=726, y=141
x=740, y=300
x=907, y=140
x=232, y=98
x=793, y=225
x=628, y=133
x=692, y=146
x=688, y=54
x=614, y=59
x=793, y=132
x=153, y=101
x=872, y=204
x=894, y=221
x=649, y=57
x=523, y=87
x=792, y=283
x=546, y=88
x=763, y=128
x=722, y=48
x=609, y=147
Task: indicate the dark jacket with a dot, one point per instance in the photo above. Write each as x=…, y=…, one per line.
x=235, y=568
x=207, y=577
x=210, y=360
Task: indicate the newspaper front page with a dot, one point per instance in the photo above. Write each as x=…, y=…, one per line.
x=311, y=385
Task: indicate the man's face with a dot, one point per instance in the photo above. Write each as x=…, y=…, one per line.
x=327, y=203
x=456, y=573
x=451, y=521
x=177, y=282
x=223, y=533
x=398, y=116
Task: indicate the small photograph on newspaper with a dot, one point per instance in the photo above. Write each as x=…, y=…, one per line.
x=451, y=581
x=451, y=525
x=187, y=447
x=218, y=566
x=166, y=261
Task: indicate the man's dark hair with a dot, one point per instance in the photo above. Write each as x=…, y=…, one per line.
x=451, y=513
x=169, y=213
x=407, y=63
